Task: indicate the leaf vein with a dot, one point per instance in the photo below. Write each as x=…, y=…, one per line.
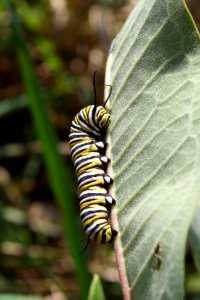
x=145, y=145
x=148, y=82
x=153, y=174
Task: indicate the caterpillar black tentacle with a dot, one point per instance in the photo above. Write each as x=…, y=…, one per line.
x=87, y=131
x=104, y=104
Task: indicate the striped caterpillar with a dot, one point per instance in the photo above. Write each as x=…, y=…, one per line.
x=88, y=154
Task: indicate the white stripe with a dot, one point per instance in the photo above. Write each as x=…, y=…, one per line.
x=99, y=222
x=87, y=159
x=95, y=214
x=93, y=191
x=91, y=119
x=90, y=180
x=86, y=210
x=78, y=150
x=86, y=127
x=87, y=162
x=94, y=197
x=78, y=133
x=92, y=172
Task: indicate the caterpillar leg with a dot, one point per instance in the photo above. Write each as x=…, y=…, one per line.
x=101, y=144
x=110, y=200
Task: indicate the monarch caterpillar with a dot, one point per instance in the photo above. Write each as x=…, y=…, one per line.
x=88, y=154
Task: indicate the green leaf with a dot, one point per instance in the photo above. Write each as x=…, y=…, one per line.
x=96, y=290
x=59, y=176
x=12, y=104
x=154, y=70
x=193, y=285
x=18, y=297
x=194, y=237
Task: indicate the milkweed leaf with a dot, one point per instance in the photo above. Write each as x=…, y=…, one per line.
x=154, y=70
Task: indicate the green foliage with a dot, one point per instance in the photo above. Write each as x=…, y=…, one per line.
x=154, y=71
x=96, y=290
x=10, y=105
x=154, y=68
x=194, y=238
x=18, y=297
x=193, y=284
x=58, y=175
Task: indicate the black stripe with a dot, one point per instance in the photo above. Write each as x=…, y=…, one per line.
x=99, y=117
x=78, y=146
x=93, y=115
x=90, y=176
x=77, y=136
x=85, y=158
x=95, y=227
x=93, y=177
x=79, y=128
x=108, y=120
x=103, y=239
x=93, y=130
x=114, y=234
x=93, y=194
x=92, y=213
x=97, y=234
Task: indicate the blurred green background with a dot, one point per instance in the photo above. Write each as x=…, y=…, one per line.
x=62, y=44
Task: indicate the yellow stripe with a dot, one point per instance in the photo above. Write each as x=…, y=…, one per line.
x=100, y=201
x=96, y=163
x=95, y=218
x=93, y=183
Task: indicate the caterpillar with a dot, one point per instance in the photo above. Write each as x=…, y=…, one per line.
x=87, y=146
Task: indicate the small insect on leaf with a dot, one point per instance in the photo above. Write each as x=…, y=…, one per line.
x=158, y=256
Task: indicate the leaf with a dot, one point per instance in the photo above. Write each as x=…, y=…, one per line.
x=194, y=237
x=18, y=297
x=59, y=176
x=193, y=286
x=96, y=290
x=154, y=70
x=12, y=104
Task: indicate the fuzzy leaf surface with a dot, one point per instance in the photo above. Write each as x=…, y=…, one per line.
x=154, y=70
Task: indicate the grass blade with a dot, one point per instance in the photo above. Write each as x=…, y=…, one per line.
x=58, y=176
